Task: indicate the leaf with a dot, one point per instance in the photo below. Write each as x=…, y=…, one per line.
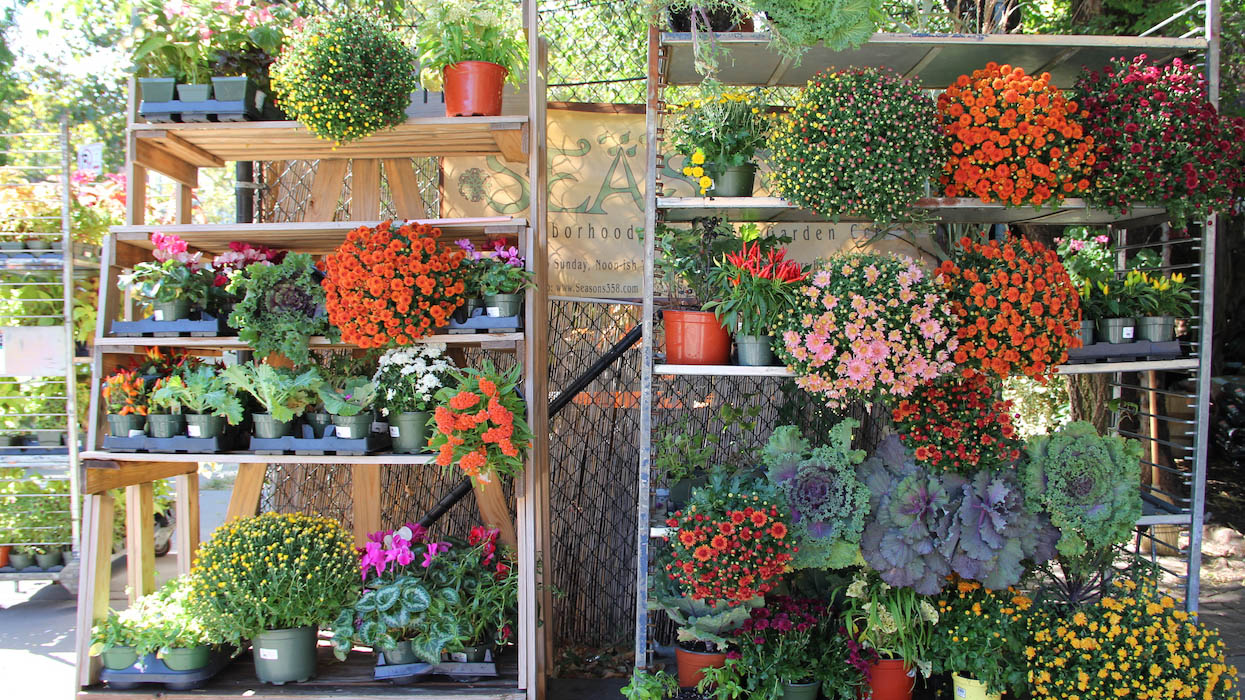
x=387, y=596
x=450, y=595
x=416, y=599
x=367, y=603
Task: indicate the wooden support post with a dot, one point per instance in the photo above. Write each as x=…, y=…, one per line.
x=140, y=545
x=494, y=511
x=365, y=488
x=94, y=578
x=185, y=203
x=187, y=521
x=244, y=501
x=364, y=190
x=404, y=188
x=326, y=189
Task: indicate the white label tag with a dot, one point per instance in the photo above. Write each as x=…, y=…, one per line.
x=343, y=431
x=393, y=431
x=1128, y=333
x=459, y=657
x=158, y=315
x=961, y=692
x=193, y=430
x=493, y=311
x=379, y=426
x=268, y=654
x=136, y=433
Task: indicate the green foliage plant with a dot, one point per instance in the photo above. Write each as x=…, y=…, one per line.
x=202, y=390
x=273, y=571
x=358, y=395
x=156, y=623
x=981, y=635
x=688, y=255
x=345, y=76
x=839, y=25
x=453, y=31
x=895, y=622
x=716, y=131
x=654, y=685
x=283, y=393
x=282, y=307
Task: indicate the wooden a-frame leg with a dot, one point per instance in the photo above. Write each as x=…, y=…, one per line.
x=187, y=521
x=365, y=488
x=244, y=501
x=140, y=545
x=94, y=578
x=494, y=511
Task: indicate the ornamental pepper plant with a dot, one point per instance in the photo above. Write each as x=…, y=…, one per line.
x=392, y=287
x=958, y=424
x=125, y=393
x=480, y=423
x=755, y=287
x=1017, y=307
x=1015, y=139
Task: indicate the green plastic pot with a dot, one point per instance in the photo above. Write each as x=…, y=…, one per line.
x=204, y=425
x=409, y=431
x=187, y=659
x=48, y=438
x=754, y=350
x=194, y=92
x=47, y=561
x=284, y=656
x=119, y=658
x=166, y=425
x=38, y=244
x=233, y=88
x=1156, y=329
x=319, y=422
x=801, y=691
x=11, y=245
x=122, y=426
x=401, y=654
x=171, y=310
x=268, y=427
x=6, y=440
x=1117, y=330
x=503, y=305
x=21, y=561
x=471, y=654
x=1086, y=333
x=157, y=89
x=354, y=427
x=734, y=182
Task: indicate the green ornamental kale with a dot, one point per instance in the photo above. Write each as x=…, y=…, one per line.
x=282, y=307
x=1088, y=484
x=828, y=503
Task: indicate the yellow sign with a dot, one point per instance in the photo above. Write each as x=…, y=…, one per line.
x=596, y=204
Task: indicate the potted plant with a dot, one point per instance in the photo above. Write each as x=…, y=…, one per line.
x=779, y=653
x=655, y=685
x=503, y=280
x=49, y=430
x=125, y=403
x=1163, y=299
x=1120, y=302
x=351, y=406
x=486, y=613
x=231, y=263
x=283, y=394
x=173, y=283
x=164, y=414
x=895, y=623
x=204, y=392
x=718, y=136
x=959, y=424
x=336, y=49
x=753, y=292
x=980, y=640
x=471, y=270
x=170, y=48
x=336, y=369
x=481, y=423
x=470, y=48
x=282, y=307
x=410, y=379
x=242, y=586
x=705, y=629
x=1089, y=260
x=157, y=624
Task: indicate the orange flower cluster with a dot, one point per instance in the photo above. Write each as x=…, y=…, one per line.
x=1014, y=138
x=125, y=393
x=480, y=425
x=1016, y=304
x=392, y=287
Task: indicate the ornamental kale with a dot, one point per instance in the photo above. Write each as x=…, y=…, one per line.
x=1088, y=485
x=997, y=534
x=828, y=503
x=281, y=307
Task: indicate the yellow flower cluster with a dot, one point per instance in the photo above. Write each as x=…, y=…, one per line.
x=695, y=169
x=1133, y=643
x=980, y=635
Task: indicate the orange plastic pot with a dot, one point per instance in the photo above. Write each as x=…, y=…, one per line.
x=695, y=338
x=692, y=665
x=889, y=679
x=473, y=89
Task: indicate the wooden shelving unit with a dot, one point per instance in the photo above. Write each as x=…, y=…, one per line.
x=178, y=151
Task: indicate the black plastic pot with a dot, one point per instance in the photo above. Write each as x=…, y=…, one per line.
x=319, y=422
x=166, y=425
x=204, y=426
x=122, y=426
x=268, y=427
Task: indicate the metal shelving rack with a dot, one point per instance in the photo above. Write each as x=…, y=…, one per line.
x=37, y=165
x=933, y=62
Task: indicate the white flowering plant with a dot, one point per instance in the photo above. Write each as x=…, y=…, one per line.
x=894, y=622
x=453, y=31
x=408, y=378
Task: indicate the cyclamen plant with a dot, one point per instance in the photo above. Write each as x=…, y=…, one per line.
x=175, y=274
x=868, y=328
x=409, y=378
x=504, y=272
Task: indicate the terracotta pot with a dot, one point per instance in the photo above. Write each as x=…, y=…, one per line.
x=693, y=663
x=473, y=89
x=889, y=679
x=4, y=555
x=695, y=338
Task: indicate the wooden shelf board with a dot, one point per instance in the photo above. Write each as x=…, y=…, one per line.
x=932, y=61
x=209, y=145
x=1073, y=211
x=250, y=458
x=1085, y=368
x=316, y=237
x=490, y=341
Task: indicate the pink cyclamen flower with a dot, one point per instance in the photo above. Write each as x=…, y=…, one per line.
x=434, y=548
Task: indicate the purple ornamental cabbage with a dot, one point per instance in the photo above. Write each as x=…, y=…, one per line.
x=996, y=534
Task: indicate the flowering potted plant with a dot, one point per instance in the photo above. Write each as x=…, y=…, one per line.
x=1162, y=299
x=345, y=76
x=754, y=291
x=204, y=392
x=896, y=624
x=1015, y=138
x=410, y=379
x=274, y=579
x=350, y=406
x=1089, y=261
x=125, y=403
x=779, y=653
x=481, y=423
x=718, y=136
x=858, y=142
x=472, y=271
x=229, y=264
x=1016, y=304
x=173, y=282
x=1119, y=303
x=868, y=327
x=980, y=640
x=502, y=280
x=281, y=307
x=470, y=48
x=283, y=394
x=158, y=624
x=392, y=287
x=959, y=424
x=1159, y=140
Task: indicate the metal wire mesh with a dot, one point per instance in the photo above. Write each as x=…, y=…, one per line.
x=596, y=50
x=285, y=189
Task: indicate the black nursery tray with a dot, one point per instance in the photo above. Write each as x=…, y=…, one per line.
x=401, y=674
x=1125, y=351
x=153, y=670
x=330, y=444
x=483, y=323
x=206, y=111
x=181, y=443
x=206, y=326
